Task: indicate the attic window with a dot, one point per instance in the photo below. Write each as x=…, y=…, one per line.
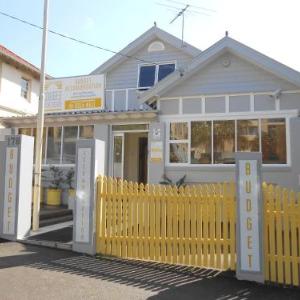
x=156, y=46
x=149, y=75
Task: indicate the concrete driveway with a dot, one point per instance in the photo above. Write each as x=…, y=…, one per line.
x=30, y=272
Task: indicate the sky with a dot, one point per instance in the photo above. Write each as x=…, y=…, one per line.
x=269, y=26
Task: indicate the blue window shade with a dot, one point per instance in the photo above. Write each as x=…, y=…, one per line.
x=165, y=70
x=147, y=76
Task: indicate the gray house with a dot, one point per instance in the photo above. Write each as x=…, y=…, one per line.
x=173, y=109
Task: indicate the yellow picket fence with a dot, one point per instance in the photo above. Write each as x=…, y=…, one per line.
x=194, y=225
x=282, y=235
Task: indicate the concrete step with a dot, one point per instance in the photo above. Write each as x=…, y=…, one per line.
x=50, y=244
x=55, y=220
x=54, y=212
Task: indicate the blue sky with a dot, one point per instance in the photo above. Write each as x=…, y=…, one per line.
x=269, y=26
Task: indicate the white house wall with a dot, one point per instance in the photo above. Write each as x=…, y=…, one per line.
x=10, y=90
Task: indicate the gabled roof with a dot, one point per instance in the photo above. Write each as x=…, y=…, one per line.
x=210, y=54
x=11, y=57
x=151, y=34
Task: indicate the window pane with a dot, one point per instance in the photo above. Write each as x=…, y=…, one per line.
x=178, y=131
x=178, y=153
x=53, y=145
x=165, y=70
x=86, y=132
x=25, y=131
x=147, y=76
x=224, y=142
x=273, y=141
x=201, y=142
x=69, y=144
x=247, y=135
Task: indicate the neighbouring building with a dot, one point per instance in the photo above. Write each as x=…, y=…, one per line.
x=19, y=85
x=173, y=109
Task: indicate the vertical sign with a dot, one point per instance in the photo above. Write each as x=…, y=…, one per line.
x=249, y=217
x=83, y=194
x=10, y=188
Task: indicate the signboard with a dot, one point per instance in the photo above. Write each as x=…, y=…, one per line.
x=10, y=189
x=74, y=93
x=83, y=192
x=249, y=215
x=156, y=151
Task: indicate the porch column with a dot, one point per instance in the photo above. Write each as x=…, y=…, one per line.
x=156, y=157
x=16, y=165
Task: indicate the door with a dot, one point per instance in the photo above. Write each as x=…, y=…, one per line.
x=118, y=155
x=143, y=159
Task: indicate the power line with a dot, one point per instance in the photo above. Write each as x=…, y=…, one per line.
x=75, y=39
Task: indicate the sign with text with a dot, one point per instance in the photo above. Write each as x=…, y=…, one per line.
x=74, y=93
x=156, y=151
x=10, y=189
x=249, y=217
x=83, y=192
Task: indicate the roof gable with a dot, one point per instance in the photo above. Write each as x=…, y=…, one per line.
x=140, y=42
x=209, y=55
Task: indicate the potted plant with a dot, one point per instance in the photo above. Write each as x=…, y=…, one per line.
x=54, y=191
x=168, y=181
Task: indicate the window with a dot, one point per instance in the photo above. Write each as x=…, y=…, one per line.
x=69, y=144
x=179, y=142
x=54, y=145
x=25, y=88
x=151, y=74
x=215, y=142
x=273, y=141
x=86, y=132
x=201, y=142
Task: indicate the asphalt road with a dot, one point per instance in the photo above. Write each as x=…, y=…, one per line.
x=30, y=272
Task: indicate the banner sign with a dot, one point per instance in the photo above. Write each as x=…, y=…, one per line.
x=156, y=151
x=10, y=189
x=83, y=192
x=249, y=217
x=74, y=93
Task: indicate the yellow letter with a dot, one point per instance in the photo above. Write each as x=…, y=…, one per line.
x=249, y=242
x=249, y=223
x=248, y=186
x=248, y=168
x=249, y=205
x=250, y=260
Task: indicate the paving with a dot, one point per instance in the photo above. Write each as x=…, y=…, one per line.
x=34, y=272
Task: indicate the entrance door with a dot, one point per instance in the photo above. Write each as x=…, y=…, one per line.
x=118, y=155
x=143, y=159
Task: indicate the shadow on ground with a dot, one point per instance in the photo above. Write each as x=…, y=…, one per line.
x=168, y=281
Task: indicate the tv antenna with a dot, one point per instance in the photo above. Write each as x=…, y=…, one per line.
x=181, y=9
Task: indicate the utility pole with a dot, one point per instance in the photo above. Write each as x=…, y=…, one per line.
x=40, y=128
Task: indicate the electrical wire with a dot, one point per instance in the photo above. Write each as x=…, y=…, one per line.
x=76, y=40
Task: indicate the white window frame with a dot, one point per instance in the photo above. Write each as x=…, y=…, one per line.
x=182, y=118
x=156, y=72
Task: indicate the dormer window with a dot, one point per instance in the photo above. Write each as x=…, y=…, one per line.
x=149, y=75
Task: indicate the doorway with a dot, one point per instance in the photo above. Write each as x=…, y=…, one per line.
x=130, y=156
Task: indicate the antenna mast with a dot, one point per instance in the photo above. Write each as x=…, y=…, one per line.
x=181, y=13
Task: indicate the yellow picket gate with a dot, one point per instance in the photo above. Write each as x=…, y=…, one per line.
x=282, y=235
x=194, y=225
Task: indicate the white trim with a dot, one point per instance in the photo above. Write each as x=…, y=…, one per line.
x=226, y=104
x=224, y=116
x=202, y=105
x=180, y=109
x=252, y=102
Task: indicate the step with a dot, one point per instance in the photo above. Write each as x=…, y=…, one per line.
x=49, y=244
x=55, y=220
x=54, y=212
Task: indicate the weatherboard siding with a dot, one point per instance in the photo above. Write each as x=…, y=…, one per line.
x=125, y=75
x=239, y=77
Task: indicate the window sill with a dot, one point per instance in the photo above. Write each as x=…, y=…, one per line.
x=224, y=168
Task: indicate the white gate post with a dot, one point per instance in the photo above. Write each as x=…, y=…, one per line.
x=249, y=233
x=90, y=163
x=16, y=166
